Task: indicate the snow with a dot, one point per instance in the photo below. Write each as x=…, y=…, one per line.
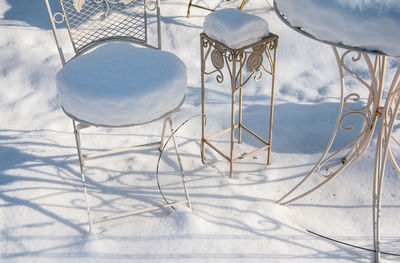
x=369, y=24
x=234, y=28
x=111, y=101
x=42, y=209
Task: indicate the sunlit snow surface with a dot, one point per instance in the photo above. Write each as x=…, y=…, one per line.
x=42, y=209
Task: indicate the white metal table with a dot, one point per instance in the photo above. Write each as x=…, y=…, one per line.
x=332, y=164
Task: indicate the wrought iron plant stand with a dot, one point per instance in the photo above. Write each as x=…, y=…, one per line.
x=242, y=64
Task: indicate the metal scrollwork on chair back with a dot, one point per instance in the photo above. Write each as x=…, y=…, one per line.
x=78, y=4
x=94, y=21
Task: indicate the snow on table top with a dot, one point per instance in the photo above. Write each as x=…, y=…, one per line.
x=118, y=84
x=234, y=28
x=369, y=24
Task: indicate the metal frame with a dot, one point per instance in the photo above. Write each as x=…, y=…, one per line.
x=206, y=8
x=101, y=21
x=251, y=57
x=128, y=20
x=198, y=6
x=330, y=164
x=159, y=144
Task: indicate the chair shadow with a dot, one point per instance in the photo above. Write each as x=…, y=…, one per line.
x=66, y=180
x=17, y=160
x=294, y=124
x=32, y=13
x=20, y=156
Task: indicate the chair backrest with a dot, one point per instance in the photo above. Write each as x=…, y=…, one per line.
x=93, y=22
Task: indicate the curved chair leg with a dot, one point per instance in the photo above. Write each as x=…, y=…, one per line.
x=81, y=164
x=180, y=163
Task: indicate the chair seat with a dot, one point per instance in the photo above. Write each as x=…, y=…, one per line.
x=118, y=84
x=235, y=29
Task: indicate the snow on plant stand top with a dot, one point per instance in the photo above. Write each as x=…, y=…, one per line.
x=119, y=84
x=235, y=29
x=372, y=25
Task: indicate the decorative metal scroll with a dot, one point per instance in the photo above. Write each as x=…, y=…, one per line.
x=90, y=21
x=328, y=166
x=332, y=164
x=367, y=114
x=79, y=3
x=250, y=58
x=242, y=65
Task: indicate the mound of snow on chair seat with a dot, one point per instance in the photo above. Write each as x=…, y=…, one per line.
x=235, y=29
x=118, y=84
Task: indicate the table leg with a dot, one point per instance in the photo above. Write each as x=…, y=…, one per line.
x=389, y=116
x=332, y=164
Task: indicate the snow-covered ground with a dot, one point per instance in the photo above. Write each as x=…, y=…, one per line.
x=42, y=209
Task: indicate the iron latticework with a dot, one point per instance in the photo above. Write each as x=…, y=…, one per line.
x=92, y=22
x=99, y=20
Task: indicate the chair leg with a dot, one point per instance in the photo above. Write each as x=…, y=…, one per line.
x=81, y=164
x=81, y=157
x=180, y=163
x=203, y=116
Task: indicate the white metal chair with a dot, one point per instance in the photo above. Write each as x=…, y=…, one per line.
x=116, y=78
